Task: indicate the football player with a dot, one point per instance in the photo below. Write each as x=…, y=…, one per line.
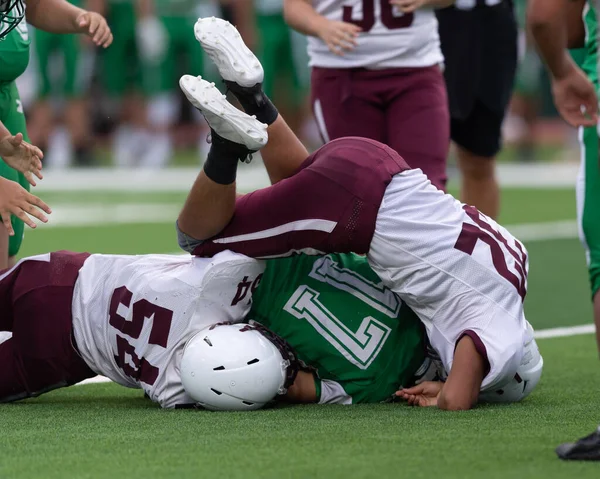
x=149, y=322
x=376, y=73
x=556, y=25
x=57, y=16
x=464, y=275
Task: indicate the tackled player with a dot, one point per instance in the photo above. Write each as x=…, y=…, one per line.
x=464, y=275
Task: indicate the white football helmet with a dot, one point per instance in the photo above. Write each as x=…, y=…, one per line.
x=526, y=378
x=235, y=367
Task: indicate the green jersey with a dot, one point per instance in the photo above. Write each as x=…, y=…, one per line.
x=14, y=53
x=334, y=311
x=590, y=62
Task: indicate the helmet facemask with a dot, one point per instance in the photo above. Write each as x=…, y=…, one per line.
x=12, y=13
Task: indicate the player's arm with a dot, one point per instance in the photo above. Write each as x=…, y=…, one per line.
x=461, y=389
x=59, y=16
x=338, y=36
x=575, y=25
x=409, y=6
x=574, y=95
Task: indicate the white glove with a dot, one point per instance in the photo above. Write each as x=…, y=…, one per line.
x=152, y=39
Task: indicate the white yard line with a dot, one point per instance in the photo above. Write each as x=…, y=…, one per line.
x=565, y=332
x=251, y=177
x=544, y=231
x=98, y=214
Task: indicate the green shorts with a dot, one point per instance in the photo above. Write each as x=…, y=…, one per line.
x=121, y=69
x=283, y=55
x=11, y=115
x=75, y=79
x=183, y=55
x=588, y=203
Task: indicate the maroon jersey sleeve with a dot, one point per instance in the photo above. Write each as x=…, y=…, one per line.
x=330, y=205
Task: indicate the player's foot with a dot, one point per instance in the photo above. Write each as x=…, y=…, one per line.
x=224, y=119
x=586, y=449
x=224, y=45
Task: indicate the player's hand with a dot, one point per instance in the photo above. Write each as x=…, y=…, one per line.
x=339, y=36
x=575, y=98
x=408, y=6
x=423, y=395
x=16, y=200
x=94, y=26
x=22, y=156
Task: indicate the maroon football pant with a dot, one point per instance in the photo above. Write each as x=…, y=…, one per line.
x=35, y=305
x=405, y=108
x=329, y=205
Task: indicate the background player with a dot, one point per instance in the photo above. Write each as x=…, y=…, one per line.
x=553, y=24
x=120, y=74
x=479, y=42
x=56, y=16
x=422, y=243
x=376, y=74
x=62, y=128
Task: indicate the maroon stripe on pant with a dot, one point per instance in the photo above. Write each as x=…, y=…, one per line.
x=343, y=183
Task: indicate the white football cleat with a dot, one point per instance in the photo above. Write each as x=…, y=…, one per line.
x=226, y=120
x=224, y=45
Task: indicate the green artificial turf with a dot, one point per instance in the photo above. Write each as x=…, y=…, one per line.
x=106, y=431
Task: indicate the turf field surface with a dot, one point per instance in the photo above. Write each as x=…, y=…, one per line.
x=106, y=431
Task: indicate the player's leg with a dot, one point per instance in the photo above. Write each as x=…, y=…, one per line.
x=122, y=81
x=14, y=120
x=329, y=205
x=211, y=201
x=346, y=102
x=41, y=118
x=418, y=120
x=77, y=80
x=159, y=76
x=588, y=212
x=40, y=356
x=243, y=75
x=498, y=37
x=478, y=141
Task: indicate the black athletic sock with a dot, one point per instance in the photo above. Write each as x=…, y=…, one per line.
x=254, y=101
x=221, y=163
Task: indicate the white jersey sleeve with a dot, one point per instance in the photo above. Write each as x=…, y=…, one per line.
x=461, y=272
x=133, y=315
x=333, y=393
x=388, y=39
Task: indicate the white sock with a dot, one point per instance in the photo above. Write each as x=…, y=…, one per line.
x=60, y=149
x=159, y=151
x=121, y=147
